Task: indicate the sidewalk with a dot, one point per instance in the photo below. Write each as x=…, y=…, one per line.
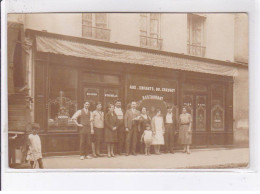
x=203, y=158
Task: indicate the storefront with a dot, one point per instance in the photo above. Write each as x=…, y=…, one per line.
x=70, y=70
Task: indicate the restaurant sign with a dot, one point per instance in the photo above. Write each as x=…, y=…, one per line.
x=151, y=93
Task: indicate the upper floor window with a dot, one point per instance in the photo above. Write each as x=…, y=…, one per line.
x=95, y=25
x=196, y=35
x=150, y=31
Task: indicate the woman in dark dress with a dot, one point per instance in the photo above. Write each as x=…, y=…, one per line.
x=111, y=130
x=144, y=119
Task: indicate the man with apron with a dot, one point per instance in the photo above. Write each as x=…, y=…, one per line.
x=85, y=130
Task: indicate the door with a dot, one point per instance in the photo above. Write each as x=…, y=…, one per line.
x=196, y=105
x=105, y=95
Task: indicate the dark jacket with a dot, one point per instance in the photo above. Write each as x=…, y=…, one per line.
x=129, y=116
x=111, y=120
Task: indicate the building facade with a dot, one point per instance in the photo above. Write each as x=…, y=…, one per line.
x=57, y=61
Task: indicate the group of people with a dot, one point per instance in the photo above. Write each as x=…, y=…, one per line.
x=135, y=130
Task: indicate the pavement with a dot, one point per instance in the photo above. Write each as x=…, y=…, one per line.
x=198, y=159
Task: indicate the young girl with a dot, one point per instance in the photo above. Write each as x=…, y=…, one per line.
x=34, y=154
x=147, y=137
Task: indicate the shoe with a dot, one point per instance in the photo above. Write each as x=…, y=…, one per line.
x=113, y=155
x=109, y=156
x=134, y=154
x=94, y=156
x=81, y=157
x=188, y=152
x=88, y=157
x=126, y=154
x=98, y=155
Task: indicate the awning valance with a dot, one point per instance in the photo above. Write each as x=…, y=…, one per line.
x=71, y=48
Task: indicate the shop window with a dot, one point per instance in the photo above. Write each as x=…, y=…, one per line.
x=110, y=95
x=150, y=31
x=101, y=78
x=95, y=25
x=62, y=102
x=217, y=108
x=201, y=103
x=196, y=35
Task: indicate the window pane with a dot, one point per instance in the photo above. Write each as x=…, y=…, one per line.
x=154, y=16
x=87, y=23
x=110, y=95
x=87, y=31
x=101, y=18
x=217, y=108
x=201, y=113
x=92, y=95
x=196, y=30
x=143, y=23
x=154, y=26
x=87, y=16
x=62, y=98
x=143, y=41
x=188, y=103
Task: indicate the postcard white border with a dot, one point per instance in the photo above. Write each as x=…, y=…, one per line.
x=71, y=179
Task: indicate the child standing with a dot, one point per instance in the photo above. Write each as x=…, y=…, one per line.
x=147, y=137
x=34, y=154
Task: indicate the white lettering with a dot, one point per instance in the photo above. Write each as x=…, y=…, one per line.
x=152, y=97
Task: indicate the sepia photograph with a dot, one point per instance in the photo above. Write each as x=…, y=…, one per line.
x=135, y=91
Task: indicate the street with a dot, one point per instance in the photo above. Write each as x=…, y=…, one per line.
x=200, y=158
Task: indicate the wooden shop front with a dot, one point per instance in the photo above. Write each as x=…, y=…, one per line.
x=62, y=82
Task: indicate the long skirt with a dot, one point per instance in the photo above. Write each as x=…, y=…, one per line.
x=185, y=137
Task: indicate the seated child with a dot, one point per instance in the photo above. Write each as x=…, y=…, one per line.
x=34, y=154
x=147, y=137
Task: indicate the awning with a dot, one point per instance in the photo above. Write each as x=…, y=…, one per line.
x=78, y=49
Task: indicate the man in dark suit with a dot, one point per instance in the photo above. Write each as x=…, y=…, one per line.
x=131, y=125
x=170, y=127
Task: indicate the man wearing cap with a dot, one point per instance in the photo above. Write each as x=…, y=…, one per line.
x=120, y=130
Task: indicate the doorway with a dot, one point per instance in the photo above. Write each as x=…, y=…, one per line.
x=197, y=105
